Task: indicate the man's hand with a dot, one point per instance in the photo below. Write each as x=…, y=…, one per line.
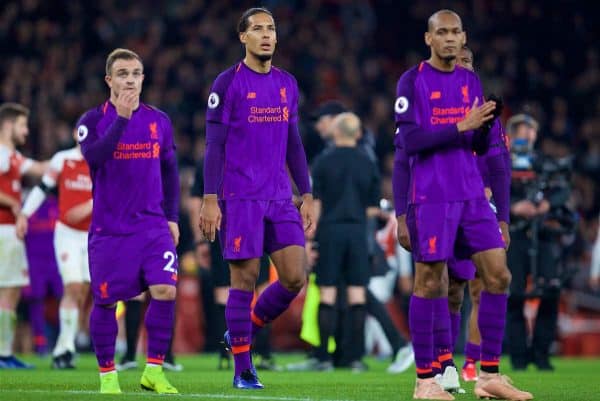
x=505, y=234
x=307, y=211
x=16, y=209
x=524, y=208
x=174, y=229
x=403, y=236
x=126, y=102
x=477, y=116
x=210, y=217
x=21, y=226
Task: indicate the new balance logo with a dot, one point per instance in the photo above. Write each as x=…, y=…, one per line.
x=464, y=90
x=283, y=94
x=251, y=95
x=153, y=130
x=436, y=95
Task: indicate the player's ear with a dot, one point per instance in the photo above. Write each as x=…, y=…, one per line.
x=108, y=80
x=243, y=36
x=427, y=38
x=464, y=40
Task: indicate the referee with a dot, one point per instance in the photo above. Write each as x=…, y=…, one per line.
x=346, y=184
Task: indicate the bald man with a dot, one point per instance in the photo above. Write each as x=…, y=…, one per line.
x=346, y=186
x=441, y=119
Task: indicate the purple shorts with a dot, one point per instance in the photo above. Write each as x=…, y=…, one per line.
x=436, y=228
x=250, y=228
x=123, y=266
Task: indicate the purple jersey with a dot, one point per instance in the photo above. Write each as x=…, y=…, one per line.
x=432, y=102
x=128, y=184
x=258, y=111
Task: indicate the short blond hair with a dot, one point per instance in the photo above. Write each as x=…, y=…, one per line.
x=121, y=54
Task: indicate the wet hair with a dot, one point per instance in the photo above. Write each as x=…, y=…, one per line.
x=244, y=22
x=11, y=111
x=120, y=54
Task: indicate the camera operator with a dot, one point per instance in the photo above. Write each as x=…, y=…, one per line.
x=539, y=217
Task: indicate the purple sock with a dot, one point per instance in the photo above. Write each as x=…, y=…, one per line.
x=442, y=335
x=237, y=315
x=472, y=352
x=420, y=317
x=38, y=323
x=491, y=319
x=273, y=301
x=159, y=320
x=103, y=330
x=455, y=325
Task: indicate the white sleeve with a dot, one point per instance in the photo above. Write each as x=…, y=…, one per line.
x=595, y=266
x=34, y=200
x=55, y=167
x=26, y=165
x=4, y=160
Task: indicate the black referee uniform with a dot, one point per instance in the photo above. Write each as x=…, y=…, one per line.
x=346, y=182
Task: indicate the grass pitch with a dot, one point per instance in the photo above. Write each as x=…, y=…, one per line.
x=574, y=379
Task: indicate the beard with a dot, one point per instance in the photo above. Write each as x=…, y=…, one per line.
x=18, y=140
x=449, y=58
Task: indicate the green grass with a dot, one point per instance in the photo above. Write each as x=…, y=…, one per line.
x=574, y=379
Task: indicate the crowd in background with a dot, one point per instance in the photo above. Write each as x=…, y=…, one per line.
x=541, y=59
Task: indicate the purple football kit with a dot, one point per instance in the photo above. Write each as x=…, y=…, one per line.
x=255, y=194
x=43, y=271
x=445, y=188
x=447, y=208
x=133, y=167
x=252, y=140
x=130, y=246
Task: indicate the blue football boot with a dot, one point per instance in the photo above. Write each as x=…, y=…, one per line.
x=248, y=379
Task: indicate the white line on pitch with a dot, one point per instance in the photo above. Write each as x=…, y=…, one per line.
x=190, y=395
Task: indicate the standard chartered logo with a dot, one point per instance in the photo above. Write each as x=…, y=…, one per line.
x=272, y=114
